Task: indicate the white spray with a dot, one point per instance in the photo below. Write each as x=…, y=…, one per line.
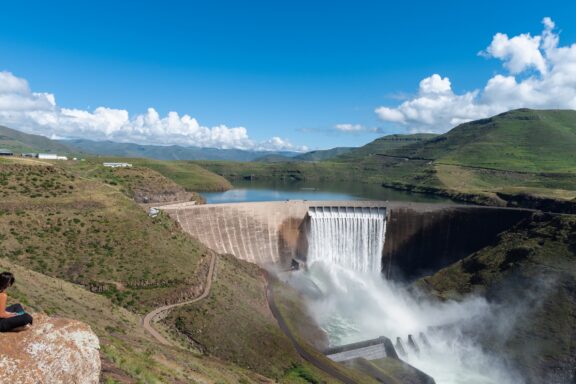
x=353, y=302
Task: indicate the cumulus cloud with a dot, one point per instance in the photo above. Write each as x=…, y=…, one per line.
x=38, y=113
x=539, y=74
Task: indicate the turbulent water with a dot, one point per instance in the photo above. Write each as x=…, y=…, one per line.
x=352, y=302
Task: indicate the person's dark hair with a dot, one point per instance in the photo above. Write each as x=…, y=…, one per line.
x=6, y=280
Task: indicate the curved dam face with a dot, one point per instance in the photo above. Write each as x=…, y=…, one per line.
x=419, y=238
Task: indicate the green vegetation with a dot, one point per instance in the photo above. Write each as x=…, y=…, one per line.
x=184, y=173
x=235, y=324
x=385, y=144
x=99, y=258
x=285, y=172
x=322, y=155
x=128, y=354
x=530, y=272
x=521, y=140
x=87, y=232
x=140, y=183
x=22, y=142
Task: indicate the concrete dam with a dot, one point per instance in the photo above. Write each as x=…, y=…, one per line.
x=347, y=247
x=419, y=238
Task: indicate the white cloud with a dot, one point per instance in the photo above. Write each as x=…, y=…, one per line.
x=349, y=127
x=541, y=74
x=38, y=113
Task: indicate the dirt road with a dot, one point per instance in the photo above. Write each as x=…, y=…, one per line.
x=149, y=318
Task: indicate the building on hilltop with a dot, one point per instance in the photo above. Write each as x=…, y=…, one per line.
x=51, y=156
x=117, y=165
x=48, y=156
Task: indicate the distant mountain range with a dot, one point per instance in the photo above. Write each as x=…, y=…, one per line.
x=521, y=140
x=172, y=152
x=23, y=142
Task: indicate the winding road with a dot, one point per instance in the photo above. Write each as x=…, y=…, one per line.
x=149, y=318
x=318, y=363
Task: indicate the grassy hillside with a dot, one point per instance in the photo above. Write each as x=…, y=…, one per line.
x=235, y=324
x=99, y=258
x=384, y=145
x=290, y=171
x=187, y=174
x=90, y=233
x=140, y=183
x=530, y=277
x=325, y=154
x=22, y=142
x=521, y=140
x=129, y=355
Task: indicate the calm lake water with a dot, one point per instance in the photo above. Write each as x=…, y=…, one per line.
x=246, y=191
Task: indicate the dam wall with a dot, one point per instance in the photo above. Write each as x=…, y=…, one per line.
x=419, y=238
x=263, y=233
x=420, y=241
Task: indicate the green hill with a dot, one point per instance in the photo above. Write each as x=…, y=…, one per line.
x=384, y=145
x=23, y=142
x=324, y=154
x=522, y=140
x=319, y=155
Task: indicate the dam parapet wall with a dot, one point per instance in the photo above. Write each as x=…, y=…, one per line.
x=420, y=238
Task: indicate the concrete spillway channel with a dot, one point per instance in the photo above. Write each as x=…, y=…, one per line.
x=370, y=350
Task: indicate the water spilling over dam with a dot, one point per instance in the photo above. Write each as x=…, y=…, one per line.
x=357, y=306
x=337, y=233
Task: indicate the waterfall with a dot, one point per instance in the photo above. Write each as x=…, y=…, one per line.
x=351, y=237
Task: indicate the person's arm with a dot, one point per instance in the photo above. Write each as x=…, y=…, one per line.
x=3, y=313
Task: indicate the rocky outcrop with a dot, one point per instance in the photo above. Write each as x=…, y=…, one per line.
x=53, y=350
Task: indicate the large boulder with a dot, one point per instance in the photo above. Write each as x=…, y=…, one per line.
x=53, y=350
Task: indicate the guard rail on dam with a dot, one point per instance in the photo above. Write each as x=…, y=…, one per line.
x=419, y=238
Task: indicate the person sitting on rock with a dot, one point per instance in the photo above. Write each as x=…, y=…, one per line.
x=12, y=317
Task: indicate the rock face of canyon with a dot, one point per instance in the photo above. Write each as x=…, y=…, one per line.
x=53, y=350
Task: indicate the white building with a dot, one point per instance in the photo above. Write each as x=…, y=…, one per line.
x=48, y=156
x=117, y=165
x=51, y=156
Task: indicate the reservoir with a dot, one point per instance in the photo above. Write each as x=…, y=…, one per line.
x=253, y=191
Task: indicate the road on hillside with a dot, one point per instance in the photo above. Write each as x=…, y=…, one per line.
x=318, y=363
x=149, y=318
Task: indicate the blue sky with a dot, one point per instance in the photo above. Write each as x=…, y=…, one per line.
x=291, y=69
